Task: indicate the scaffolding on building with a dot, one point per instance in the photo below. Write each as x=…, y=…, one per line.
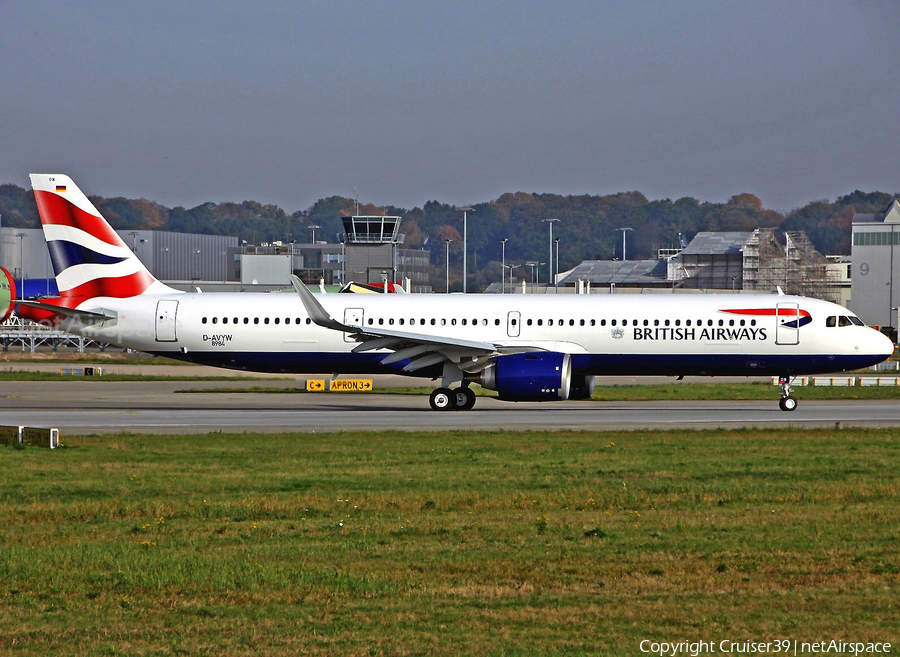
x=796, y=267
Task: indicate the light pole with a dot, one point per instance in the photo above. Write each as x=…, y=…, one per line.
x=511, y=267
x=551, y=222
x=624, y=230
x=503, y=267
x=465, y=210
x=313, y=228
x=22, y=237
x=556, y=278
x=447, y=260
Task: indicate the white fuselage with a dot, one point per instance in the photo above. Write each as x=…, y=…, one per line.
x=604, y=334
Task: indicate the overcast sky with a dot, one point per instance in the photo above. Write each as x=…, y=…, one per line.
x=288, y=102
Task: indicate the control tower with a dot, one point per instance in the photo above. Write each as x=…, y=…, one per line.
x=371, y=244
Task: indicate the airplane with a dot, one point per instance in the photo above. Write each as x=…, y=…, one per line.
x=526, y=347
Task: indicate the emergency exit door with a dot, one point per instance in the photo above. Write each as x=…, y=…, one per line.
x=787, y=323
x=166, y=309
x=352, y=317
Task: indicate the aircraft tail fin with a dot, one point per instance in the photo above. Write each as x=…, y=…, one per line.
x=89, y=258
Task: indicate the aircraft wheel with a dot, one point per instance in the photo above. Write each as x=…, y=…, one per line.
x=463, y=399
x=787, y=403
x=441, y=399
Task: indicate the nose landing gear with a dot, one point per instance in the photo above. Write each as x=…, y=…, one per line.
x=787, y=402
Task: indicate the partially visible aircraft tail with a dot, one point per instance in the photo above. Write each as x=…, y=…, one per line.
x=7, y=294
x=89, y=258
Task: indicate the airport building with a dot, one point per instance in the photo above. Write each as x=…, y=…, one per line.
x=169, y=256
x=371, y=249
x=876, y=266
x=725, y=262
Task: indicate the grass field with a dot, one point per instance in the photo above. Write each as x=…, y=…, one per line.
x=448, y=543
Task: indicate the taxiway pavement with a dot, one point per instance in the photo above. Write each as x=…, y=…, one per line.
x=158, y=407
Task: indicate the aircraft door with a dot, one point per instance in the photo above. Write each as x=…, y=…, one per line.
x=787, y=323
x=352, y=317
x=513, y=319
x=166, y=310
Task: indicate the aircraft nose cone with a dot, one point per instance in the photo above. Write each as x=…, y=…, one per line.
x=886, y=347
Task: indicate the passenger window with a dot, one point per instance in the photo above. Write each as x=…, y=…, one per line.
x=843, y=320
x=235, y=320
x=371, y=321
x=453, y=322
x=381, y=321
x=464, y=320
x=655, y=322
x=666, y=322
x=256, y=320
x=215, y=320
x=721, y=322
x=401, y=321
x=709, y=322
x=602, y=322
x=677, y=322
x=730, y=322
x=432, y=321
x=743, y=322
x=687, y=322
x=391, y=321
x=496, y=322
x=549, y=322
x=277, y=320
x=203, y=321
x=266, y=320
x=224, y=320
x=612, y=322
x=540, y=322
x=513, y=322
x=528, y=323
x=443, y=322
x=752, y=322
x=593, y=322
x=247, y=320
x=309, y=321
x=581, y=323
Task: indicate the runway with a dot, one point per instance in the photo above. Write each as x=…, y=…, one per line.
x=155, y=407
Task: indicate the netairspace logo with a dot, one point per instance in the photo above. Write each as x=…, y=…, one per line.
x=781, y=646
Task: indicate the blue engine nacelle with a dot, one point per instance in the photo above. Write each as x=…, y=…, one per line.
x=533, y=376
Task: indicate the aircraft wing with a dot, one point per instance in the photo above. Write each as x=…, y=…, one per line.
x=422, y=350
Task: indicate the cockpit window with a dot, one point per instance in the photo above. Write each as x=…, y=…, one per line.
x=857, y=321
x=831, y=322
x=843, y=320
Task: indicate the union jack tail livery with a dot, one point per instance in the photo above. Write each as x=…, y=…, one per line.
x=89, y=258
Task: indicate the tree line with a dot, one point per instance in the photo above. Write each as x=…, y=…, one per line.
x=587, y=226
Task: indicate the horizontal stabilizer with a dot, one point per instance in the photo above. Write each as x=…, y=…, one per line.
x=69, y=313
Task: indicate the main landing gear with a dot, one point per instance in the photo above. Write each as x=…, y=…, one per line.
x=787, y=402
x=458, y=399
